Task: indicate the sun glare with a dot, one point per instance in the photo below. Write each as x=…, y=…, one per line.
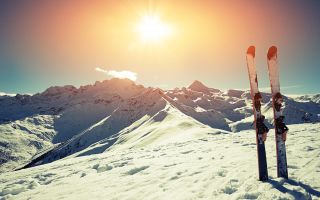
x=152, y=29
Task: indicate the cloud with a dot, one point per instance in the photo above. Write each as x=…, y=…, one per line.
x=118, y=74
x=7, y=94
x=98, y=69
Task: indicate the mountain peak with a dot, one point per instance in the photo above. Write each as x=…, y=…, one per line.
x=123, y=87
x=115, y=81
x=56, y=90
x=198, y=86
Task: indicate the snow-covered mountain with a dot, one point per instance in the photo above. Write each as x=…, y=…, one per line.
x=71, y=122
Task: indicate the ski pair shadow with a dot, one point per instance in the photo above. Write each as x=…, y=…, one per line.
x=297, y=195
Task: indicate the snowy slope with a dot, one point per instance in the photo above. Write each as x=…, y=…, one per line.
x=68, y=121
x=22, y=139
x=306, y=98
x=100, y=136
x=295, y=112
x=204, y=166
x=67, y=111
x=167, y=126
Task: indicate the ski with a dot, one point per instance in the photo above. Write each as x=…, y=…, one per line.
x=261, y=129
x=280, y=128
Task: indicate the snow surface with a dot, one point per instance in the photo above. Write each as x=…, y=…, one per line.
x=204, y=166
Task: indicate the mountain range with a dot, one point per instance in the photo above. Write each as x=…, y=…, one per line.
x=66, y=121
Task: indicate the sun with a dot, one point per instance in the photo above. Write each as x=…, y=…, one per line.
x=152, y=29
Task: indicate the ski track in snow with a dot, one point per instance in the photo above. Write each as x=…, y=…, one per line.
x=222, y=166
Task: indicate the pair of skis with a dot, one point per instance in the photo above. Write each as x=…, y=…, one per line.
x=261, y=128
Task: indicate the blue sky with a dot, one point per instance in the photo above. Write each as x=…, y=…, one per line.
x=60, y=43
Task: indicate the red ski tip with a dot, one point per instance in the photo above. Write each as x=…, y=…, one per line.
x=252, y=51
x=272, y=52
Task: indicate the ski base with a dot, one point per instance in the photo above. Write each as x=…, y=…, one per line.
x=282, y=169
x=262, y=159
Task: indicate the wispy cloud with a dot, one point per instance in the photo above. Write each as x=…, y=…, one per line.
x=98, y=69
x=119, y=74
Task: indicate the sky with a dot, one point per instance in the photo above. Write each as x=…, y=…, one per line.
x=47, y=43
